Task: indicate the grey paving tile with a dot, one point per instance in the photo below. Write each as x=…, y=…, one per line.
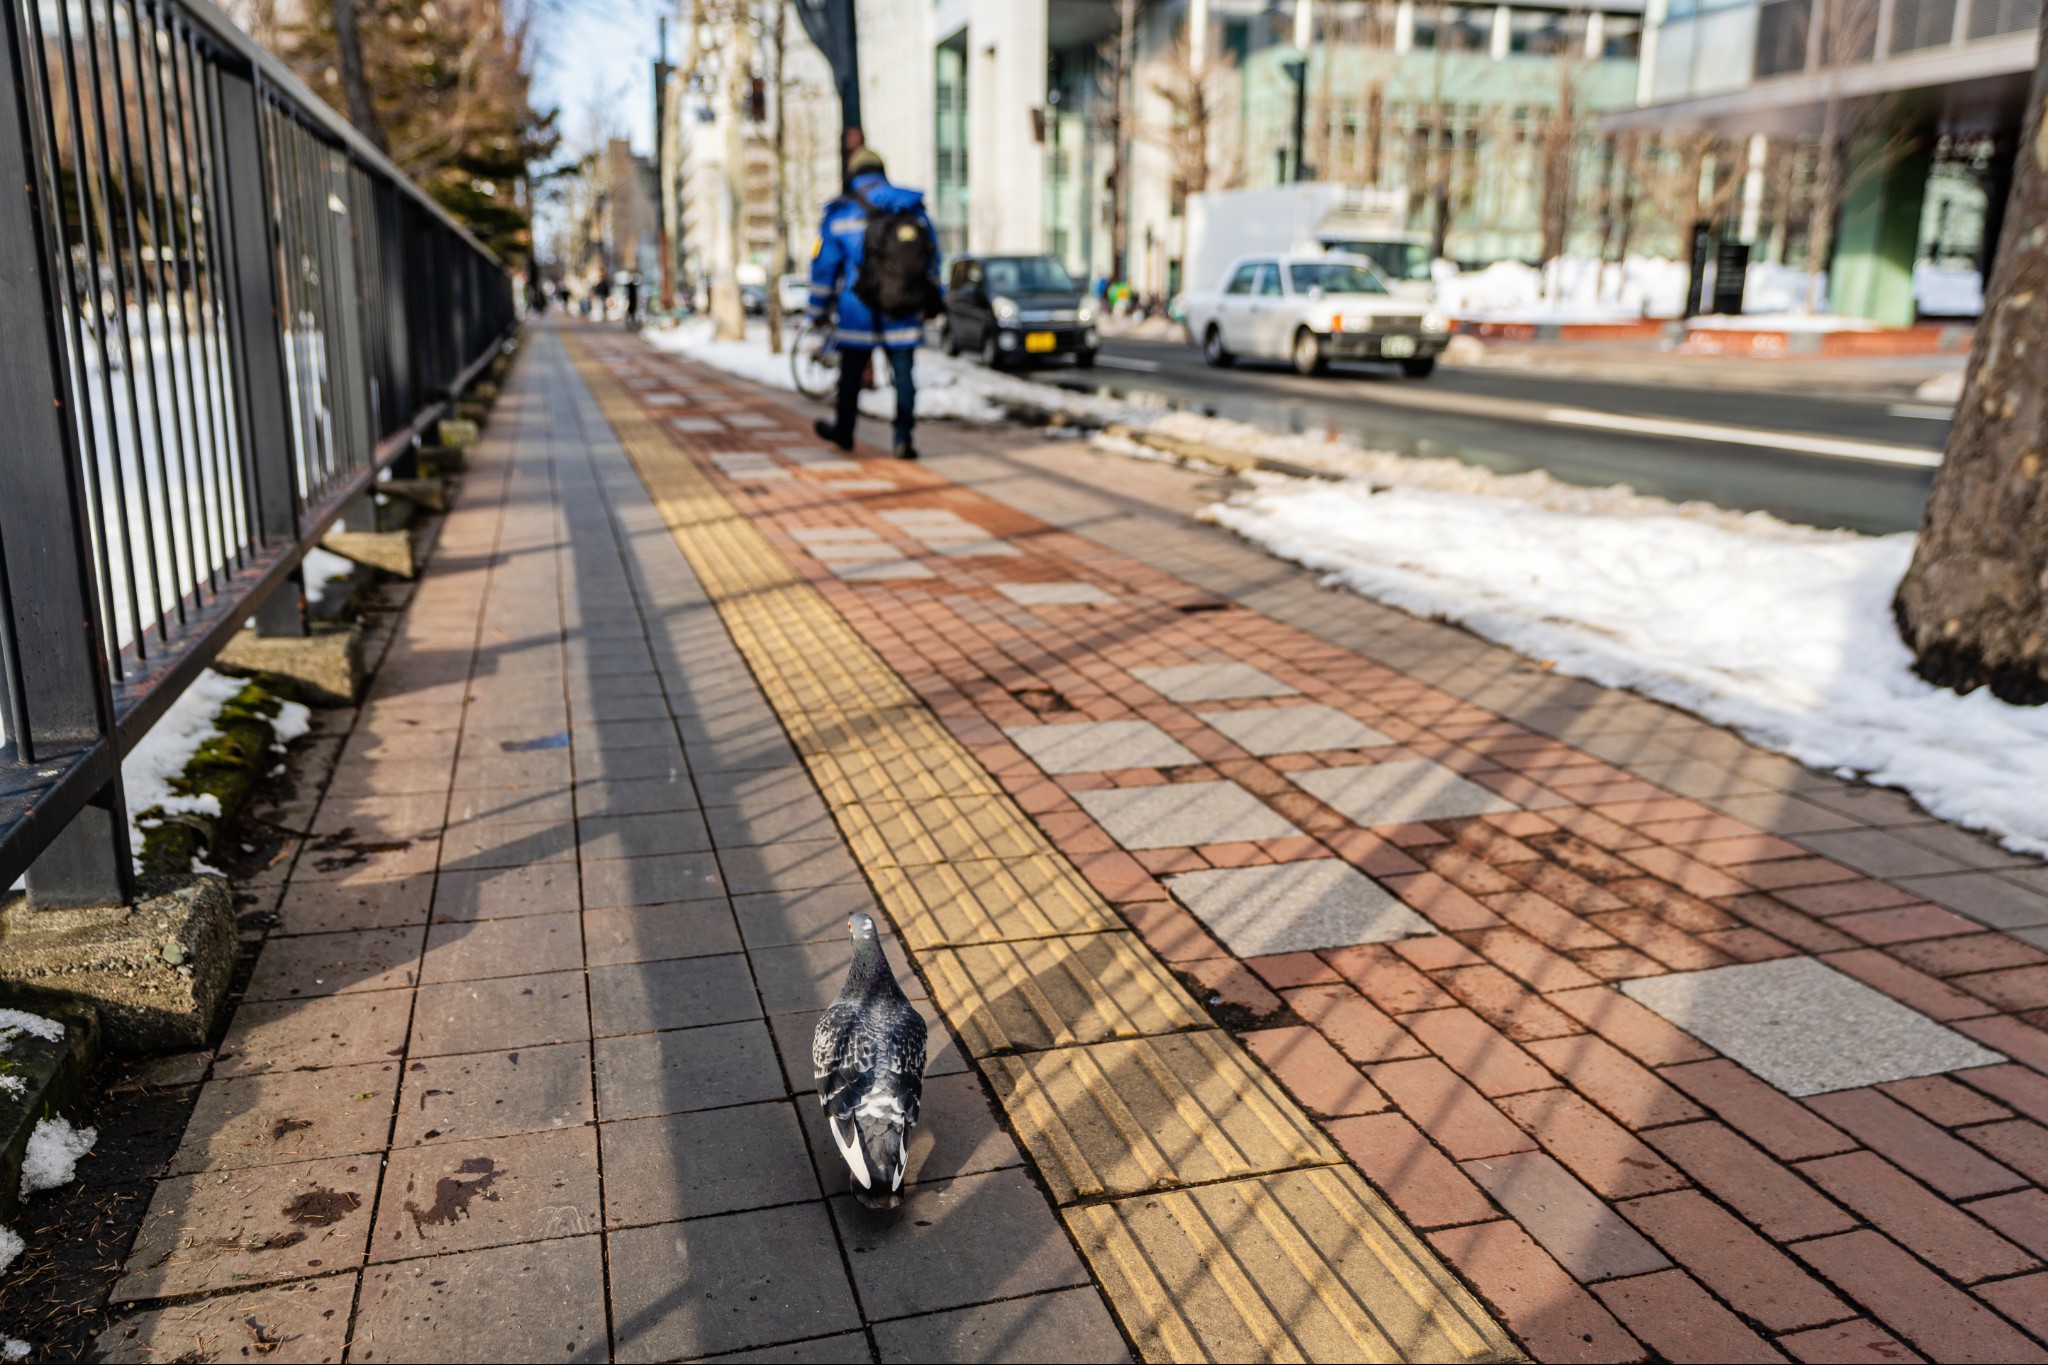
x=1066, y=1325
x=1989, y=898
x=1805, y=1027
x=1701, y=780
x=1295, y=907
x=769, y=919
x=957, y=1242
x=1268, y=730
x=741, y=826
x=312, y=1315
x=806, y=976
x=649, y=933
x=1399, y=792
x=1869, y=805
x=507, y=892
x=334, y=1030
x=641, y=835
x=657, y=762
x=494, y=1094
x=1211, y=682
x=705, y=1162
x=283, y=1116
x=792, y=865
x=506, y=843
x=480, y=1192
x=471, y=950
x=651, y=881
x=486, y=1016
x=524, y=804
x=234, y=1229
x=329, y=964
x=1967, y=847
x=768, y=789
x=1783, y=813
x=635, y=795
x=643, y=1074
x=1182, y=814
x=848, y=1348
x=643, y=997
x=1100, y=746
x=1065, y=594
x=329, y=907
x=714, y=1285
x=639, y=733
x=536, y=1301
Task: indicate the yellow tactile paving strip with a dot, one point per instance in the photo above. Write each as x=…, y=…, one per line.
x=1113, y=1078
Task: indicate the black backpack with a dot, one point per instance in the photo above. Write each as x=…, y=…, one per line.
x=896, y=263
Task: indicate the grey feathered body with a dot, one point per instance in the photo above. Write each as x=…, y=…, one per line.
x=867, y=1054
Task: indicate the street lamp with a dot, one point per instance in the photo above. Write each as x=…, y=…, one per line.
x=1297, y=71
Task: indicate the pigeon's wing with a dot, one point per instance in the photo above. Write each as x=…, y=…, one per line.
x=903, y=1056
x=836, y=1057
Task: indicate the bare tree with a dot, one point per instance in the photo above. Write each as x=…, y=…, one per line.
x=1974, y=605
x=1190, y=134
x=1858, y=137
x=778, y=85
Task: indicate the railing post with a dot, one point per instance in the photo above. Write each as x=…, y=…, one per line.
x=65, y=695
x=260, y=337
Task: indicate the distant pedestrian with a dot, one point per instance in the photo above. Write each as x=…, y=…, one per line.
x=632, y=300
x=878, y=265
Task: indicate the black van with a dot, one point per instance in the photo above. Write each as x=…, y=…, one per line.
x=1012, y=309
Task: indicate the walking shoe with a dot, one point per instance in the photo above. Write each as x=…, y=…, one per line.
x=905, y=450
x=827, y=432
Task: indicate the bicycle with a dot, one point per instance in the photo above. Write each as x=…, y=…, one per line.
x=813, y=363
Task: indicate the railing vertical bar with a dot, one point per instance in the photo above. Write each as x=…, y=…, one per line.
x=116, y=466
x=16, y=688
x=103, y=525
x=163, y=47
x=179, y=494
x=107, y=84
x=198, y=104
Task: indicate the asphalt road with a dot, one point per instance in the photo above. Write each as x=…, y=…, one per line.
x=1856, y=462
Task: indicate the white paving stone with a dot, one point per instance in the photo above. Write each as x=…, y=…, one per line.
x=1069, y=594
x=1295, y=907
x=1399, y=792
x=696, y=424
x=1211, y=682
x=1270, y=730
x=1100, y=746
x=895, y=568
x=861, y=486
x=821, y=535
x=1805, y=1027
x=1184, y=814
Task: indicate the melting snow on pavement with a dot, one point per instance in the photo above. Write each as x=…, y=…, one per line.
x=1781, y=632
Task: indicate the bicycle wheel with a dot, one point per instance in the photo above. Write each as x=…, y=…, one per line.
x=813, y=364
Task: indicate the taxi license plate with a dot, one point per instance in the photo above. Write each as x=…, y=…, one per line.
x=1397, y=348
x=1038, y=342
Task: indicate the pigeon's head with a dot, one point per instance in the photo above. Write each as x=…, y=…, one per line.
x=862, y=926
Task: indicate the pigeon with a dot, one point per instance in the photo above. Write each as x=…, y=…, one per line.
x=868, y=1055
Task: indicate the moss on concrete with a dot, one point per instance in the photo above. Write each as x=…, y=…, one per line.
x=227, y=767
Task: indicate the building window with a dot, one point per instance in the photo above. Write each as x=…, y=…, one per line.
x=1991, y=18
x=1545, y=33
x=1781, y=36
x=1918, y=24
x=1621, y=37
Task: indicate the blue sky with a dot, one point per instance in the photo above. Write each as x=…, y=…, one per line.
x=592, y=58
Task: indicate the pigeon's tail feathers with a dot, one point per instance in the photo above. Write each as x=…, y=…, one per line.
x=876, y=1152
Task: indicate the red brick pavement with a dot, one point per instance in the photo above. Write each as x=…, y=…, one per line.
x=1608, y=1183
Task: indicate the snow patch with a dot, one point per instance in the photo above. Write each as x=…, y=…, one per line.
x=1783, y=633
x=164, y=752
x=14, y=1348
x=53, y=1152
x=10, y=1247
x=321, y=568
x=14, y=1023
x=1946, y=387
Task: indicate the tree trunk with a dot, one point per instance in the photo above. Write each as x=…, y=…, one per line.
x=728, y=313
x=1375, y=128
x=355, y=86
x=1120, y=120
x=1973, y=607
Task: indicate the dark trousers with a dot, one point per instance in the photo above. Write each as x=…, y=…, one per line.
x=853, y=363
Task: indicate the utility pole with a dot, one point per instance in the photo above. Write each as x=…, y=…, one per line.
x=1297, y=71
x=830, y=24
x=778, y=258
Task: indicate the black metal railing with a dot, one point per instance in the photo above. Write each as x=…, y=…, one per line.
x=222, y=313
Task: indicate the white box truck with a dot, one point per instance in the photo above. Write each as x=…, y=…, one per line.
x=1228, y=225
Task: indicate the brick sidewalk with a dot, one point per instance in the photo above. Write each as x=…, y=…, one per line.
x=554, y=954
x=1613, y=1184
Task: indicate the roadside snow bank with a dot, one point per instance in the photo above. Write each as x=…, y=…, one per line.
x=1785, y=635
x=947, y=387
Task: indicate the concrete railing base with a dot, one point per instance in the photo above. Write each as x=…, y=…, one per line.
x=390, y=551
x=156, y=972
x=325, y=668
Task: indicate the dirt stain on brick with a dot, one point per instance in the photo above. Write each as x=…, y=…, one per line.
x=284, y=1128
x=452, y=1194
x=320, y=1208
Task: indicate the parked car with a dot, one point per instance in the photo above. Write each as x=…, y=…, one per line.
x=796, y=293
x=754, y=300
x=1013, y=309
x=1312, y=309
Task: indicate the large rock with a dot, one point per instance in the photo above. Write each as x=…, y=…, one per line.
x=155, y=972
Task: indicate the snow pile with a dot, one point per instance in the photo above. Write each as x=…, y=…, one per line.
x=53, y=1152
x=13, y=1348
x=1568, y=289
x=1751, y=320
x=1945, y=290
x=14, y=1023
x=163, y=753
x=947, y=387
x=10, y=1247
x=323, y=567
x=1786, y=636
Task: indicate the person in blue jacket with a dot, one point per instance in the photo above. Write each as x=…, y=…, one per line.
x=835, y=267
